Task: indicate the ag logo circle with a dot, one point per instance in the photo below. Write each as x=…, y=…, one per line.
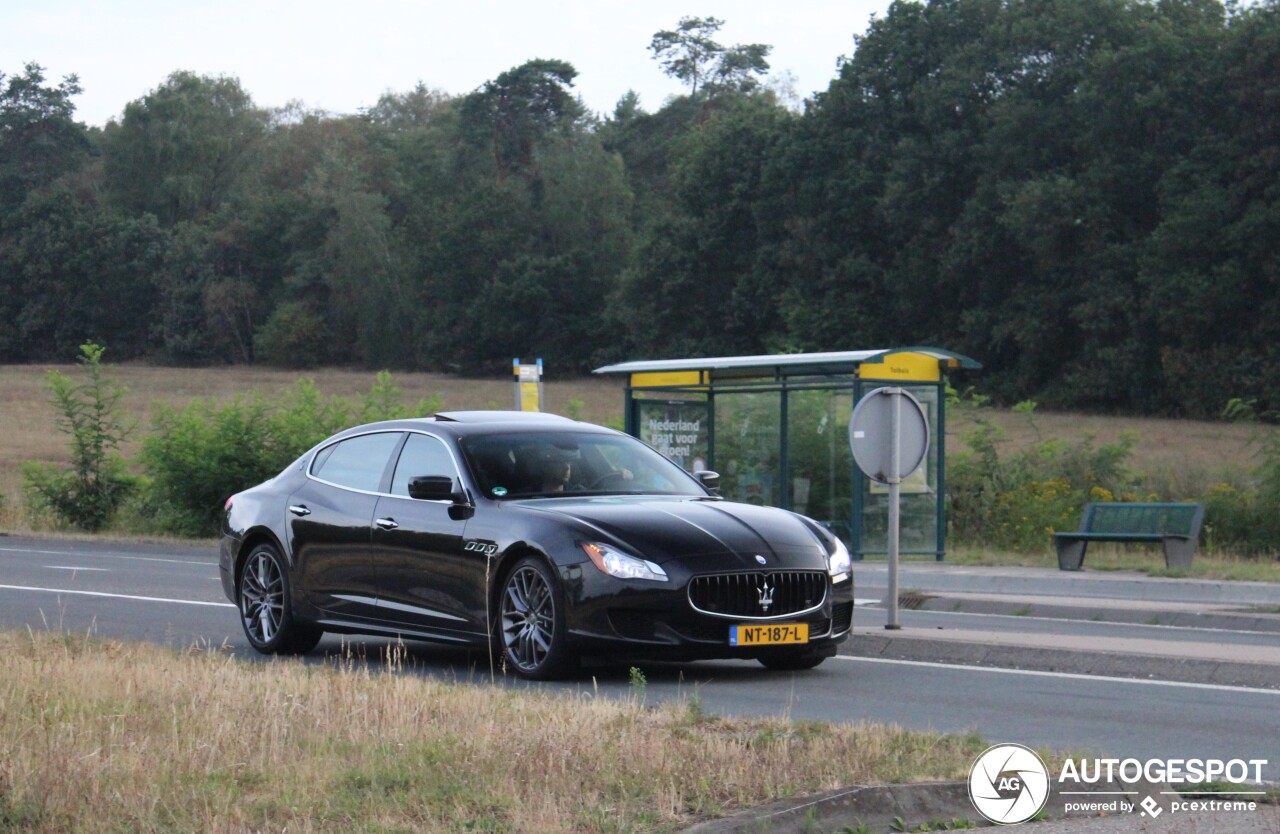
x=1009, y=784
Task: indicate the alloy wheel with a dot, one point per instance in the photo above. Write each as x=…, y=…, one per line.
x=262, y=598
x=528, y=618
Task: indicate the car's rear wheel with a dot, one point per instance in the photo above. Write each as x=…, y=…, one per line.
x=792, y=662
x=265, y=612
x=531, y=622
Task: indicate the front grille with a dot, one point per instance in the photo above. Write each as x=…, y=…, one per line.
x=758, y=594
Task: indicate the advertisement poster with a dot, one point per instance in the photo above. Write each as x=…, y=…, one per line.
x=679, y=430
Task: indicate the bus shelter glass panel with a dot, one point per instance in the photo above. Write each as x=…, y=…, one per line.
x=748, y=426
x=819, y=459
x=679, y=429
x=918, y=531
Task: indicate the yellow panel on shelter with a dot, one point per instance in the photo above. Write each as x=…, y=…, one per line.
x=913, y=367
x=668, y=378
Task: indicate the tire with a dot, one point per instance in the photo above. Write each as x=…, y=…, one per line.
x=531, y=623
x=792, y=662
x=265, y=610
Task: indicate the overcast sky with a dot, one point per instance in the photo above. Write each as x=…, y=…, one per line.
x=341, y=56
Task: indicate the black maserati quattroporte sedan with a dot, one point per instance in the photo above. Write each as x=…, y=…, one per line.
x=541, y=538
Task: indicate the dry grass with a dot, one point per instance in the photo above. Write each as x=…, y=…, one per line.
x=1162, y=447
x=107, y=736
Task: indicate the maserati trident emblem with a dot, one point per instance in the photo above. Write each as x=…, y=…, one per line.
x=761, y=559
x=766, y=595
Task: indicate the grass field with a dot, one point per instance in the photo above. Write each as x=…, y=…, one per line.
x=106, y=736
x=1160, y=445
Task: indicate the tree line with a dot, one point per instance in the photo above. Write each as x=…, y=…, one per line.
x=1083, y=196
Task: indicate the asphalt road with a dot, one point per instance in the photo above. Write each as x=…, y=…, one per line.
x=171, y=595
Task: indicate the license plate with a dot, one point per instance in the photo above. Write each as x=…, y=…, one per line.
x=768, y=635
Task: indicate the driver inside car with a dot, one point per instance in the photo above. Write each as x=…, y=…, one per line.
x=556, y=475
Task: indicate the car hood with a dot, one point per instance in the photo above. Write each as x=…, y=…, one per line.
x=711, y=535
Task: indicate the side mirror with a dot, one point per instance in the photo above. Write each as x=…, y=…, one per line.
x=432, y=488
x=709, y=480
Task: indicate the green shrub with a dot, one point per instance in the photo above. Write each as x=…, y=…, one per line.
x=385, y=401
x=1027, y=514
x=1018, y=500
x=1243, y=515
x=87, y=495
x=200, y=455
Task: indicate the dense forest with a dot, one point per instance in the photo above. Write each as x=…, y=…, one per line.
x=1084, y=196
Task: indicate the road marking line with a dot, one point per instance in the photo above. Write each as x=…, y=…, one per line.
x=1091, y=623
x=117, y=596
x=1075, y=676
x=75, y=567
x=105, y=554
x=154, y=559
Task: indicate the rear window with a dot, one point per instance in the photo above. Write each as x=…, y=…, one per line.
x=358, y=462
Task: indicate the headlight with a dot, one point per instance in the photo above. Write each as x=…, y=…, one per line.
x=616, y=563
x=839, y=564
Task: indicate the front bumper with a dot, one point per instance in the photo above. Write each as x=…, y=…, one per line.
x=645, y=619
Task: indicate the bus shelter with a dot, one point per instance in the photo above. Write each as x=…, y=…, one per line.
x=776, y=429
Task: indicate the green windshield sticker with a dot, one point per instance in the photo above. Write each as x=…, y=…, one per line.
x=499, y=491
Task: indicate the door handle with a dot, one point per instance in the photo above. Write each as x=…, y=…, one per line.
x=299, y=509
x=387, y=523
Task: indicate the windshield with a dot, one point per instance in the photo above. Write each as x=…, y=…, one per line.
x=551, y=463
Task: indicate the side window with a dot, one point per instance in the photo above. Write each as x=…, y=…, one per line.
x=357, y=463
x=422, y=455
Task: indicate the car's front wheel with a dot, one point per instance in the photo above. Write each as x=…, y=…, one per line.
x=265, y=611
x=531, y=622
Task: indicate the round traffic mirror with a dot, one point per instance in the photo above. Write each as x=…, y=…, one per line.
x=871, y=433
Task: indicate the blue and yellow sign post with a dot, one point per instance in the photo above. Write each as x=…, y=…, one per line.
x=775, y=427
x=528, y=385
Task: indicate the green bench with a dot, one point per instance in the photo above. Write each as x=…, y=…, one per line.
x=1175, y=526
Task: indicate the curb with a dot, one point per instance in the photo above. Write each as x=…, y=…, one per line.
x=1110, y=664
x=939, y=578
x=892, y=808
x=872, y=806
x=1030, y=606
